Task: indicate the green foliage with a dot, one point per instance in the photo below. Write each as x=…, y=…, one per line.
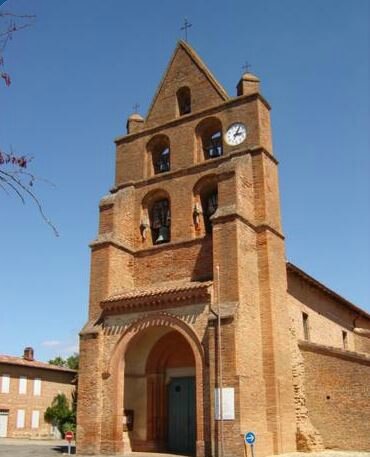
x=59, y=361
x=70, y=362
x=69, y=427
x=61, y=414
x=73, y=361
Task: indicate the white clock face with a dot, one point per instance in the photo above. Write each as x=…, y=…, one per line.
x=236, y=134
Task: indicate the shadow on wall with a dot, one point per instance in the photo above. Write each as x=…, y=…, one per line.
x=203, y=266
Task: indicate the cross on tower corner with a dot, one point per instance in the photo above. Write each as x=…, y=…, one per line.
x=246, y=67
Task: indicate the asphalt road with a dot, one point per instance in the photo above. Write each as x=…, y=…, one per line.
x=27, y=448
x=30, y=448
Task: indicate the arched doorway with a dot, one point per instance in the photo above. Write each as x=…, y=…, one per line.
x=159, y=392
x=170, y=371
x=152, y=355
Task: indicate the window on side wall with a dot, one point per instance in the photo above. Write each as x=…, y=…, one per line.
x=5, y=383
x=37, y=387
x=35, y=419
x=22, y=384
x=345, y=339
x=306, y=327
x=21, y=414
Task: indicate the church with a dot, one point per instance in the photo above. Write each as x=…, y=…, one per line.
x=198, y=329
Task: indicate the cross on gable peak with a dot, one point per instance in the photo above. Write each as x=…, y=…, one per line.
x=185, y=27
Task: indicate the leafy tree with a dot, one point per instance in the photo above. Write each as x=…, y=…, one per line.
x=70, y=362
x=61, y=414
x=59, y=361
x=73, y=361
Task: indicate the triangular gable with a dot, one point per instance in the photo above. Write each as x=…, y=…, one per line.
x=184, y=69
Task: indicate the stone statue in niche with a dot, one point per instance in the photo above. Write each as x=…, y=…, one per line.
x=197, y=211
x=144, y=225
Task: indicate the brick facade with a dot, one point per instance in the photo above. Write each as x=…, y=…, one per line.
x=18, y=392
x=220, y=263
x=338, y=396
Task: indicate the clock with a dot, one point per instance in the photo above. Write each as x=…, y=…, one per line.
x=236, y=134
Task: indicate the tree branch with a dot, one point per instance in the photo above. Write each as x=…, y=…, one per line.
x=12, y=166
x=17, y=182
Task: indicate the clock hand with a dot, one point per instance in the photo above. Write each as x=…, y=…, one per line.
x=237, y=132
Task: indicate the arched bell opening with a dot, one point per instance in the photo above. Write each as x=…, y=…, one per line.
x=156, y=218
x=183, y=96
x=205, y=204
x=159, y=155
x=159, y=393
x=209, y=139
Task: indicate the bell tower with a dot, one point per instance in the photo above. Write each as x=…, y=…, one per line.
x=188, y=280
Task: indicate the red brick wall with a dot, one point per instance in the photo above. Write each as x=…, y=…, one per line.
x=327, y=316
x=337, y=387
x=193, y=262
x=52, y=383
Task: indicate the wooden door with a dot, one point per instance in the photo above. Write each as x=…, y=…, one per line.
x=181, y=416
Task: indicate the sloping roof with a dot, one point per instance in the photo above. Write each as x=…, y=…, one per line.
x=159, y=289
x=20, y=361
x=174, y=291
x=315, y=283
x=199, y=63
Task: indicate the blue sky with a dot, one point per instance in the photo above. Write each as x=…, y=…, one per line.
x=77, y=72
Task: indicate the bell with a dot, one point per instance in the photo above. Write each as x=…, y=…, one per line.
x=212, y=204
x=163, y=235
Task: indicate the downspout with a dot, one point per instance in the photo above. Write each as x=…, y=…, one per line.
x=220, y=371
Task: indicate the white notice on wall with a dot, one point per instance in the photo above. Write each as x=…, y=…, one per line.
x=228, y=410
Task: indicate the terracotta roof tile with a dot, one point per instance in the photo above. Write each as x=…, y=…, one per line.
x=11, y=360
x=160, y=295
x=160, y=289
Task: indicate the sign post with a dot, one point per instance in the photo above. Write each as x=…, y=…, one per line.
x=249, y=438
x=69, y=437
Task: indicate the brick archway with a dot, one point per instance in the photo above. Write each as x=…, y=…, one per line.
x=114, y=379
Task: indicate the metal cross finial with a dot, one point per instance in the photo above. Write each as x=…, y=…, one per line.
x=246, y=67
x=185, y=27
x=136, y=107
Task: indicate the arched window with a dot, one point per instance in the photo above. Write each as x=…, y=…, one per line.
x=160, y=221
x=183, y=101
x=209, y=201
x=209, y=134
x=159, y=150
x=205, y=203
x=161, y=161
x=212, y=145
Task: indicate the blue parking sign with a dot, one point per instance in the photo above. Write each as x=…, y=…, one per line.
x=250, y=438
